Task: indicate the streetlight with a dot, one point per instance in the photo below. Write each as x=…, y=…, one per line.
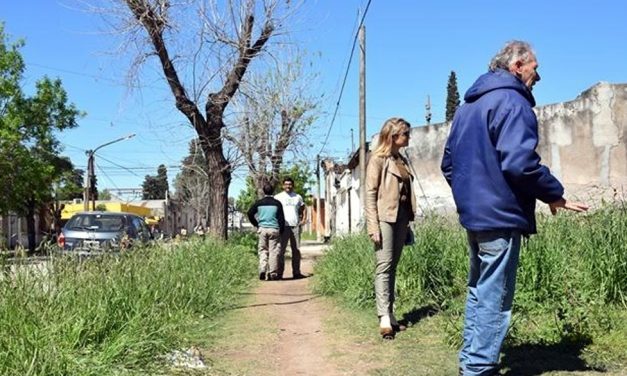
x=91, y=174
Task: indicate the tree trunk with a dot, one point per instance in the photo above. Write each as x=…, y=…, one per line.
x=219, y=204
x=259, y=180
x=219, y=170
x=30, y=226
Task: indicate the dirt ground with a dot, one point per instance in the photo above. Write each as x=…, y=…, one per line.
x=284, y=329
x=301, y=345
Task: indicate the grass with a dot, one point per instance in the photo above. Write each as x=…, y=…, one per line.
x=420, y=350
x=309, y=235
x=115, y=314
x=571, y=288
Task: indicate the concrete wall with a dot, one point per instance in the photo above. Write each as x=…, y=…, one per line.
x=14, y=233
x=425, y=154
x=582, y=141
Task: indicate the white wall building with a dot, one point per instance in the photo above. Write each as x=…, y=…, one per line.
x=344, y=212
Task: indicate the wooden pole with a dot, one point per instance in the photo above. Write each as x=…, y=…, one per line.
x=362, y=119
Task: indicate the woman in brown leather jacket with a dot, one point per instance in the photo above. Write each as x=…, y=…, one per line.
x=390, y=206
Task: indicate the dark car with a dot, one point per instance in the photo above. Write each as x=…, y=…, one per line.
x=103, y=231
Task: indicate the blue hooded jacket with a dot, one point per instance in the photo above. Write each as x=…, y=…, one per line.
x=490, y=160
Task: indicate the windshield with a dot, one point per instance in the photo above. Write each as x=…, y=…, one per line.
x=97, y=222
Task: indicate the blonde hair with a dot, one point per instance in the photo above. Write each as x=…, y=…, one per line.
x=392, y=127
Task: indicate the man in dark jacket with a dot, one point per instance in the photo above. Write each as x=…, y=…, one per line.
x=491, y=164
x=267, y=215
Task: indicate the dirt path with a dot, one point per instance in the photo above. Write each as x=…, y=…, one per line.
x=283, y=330
x=301, y=348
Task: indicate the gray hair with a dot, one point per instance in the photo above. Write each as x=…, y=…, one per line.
x=510, y=53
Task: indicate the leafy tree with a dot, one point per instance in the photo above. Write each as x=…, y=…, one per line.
x=105, y=194
x=30, y=163
x=70, y=185
x=156, y=187
x=247, y=197
x=452, y=96
x=162, y=179
x=214, y=43
x=149, y=188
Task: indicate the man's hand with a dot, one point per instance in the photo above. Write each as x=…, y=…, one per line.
x=569, y=205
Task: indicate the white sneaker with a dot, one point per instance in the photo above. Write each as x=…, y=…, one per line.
x=385, y=321
x=385, y=327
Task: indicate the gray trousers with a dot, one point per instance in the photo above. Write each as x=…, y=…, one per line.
x=269, y=249
x=387, y=256
x=290, y=234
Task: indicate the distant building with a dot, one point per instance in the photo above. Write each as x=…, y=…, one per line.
x=344, y=214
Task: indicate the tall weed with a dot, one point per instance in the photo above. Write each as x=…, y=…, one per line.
x=346, y=271
x=114, y=314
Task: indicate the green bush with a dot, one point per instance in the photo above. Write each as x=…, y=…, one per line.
x=246, y=239
x=114, y=314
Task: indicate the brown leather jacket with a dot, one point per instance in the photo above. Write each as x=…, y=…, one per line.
x=383, y=186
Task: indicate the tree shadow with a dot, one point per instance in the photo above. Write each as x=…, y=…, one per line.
x=417, y=314
x=536, y=359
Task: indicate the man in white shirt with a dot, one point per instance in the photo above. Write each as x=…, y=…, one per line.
x=293, y=209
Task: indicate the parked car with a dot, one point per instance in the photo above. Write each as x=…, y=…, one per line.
x=103, y=231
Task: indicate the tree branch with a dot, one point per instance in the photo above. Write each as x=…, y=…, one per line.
x=154, y=20
x=217, y=102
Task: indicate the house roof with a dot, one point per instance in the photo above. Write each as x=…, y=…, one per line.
x=354, y=158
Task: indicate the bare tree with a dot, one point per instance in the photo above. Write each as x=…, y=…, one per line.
x=276, y=108
x=204, y=49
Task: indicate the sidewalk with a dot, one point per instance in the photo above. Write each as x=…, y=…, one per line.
x=312, y=248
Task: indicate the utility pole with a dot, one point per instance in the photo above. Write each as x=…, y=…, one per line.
x=91, y=174
x=318, y=204
x=362, y=119
x=352, y=141
x=428, y=108
x=87, y=196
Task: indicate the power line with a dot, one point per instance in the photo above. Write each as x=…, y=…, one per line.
x=337, y=104
x=107, y=176
x=97, y=78
x=120, y=166
x=72, y=146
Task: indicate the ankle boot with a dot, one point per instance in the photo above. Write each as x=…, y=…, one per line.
x=395, y=324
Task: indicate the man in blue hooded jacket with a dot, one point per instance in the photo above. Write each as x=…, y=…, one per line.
x=491, y=164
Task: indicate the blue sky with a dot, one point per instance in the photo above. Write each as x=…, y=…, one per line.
x=411, y=48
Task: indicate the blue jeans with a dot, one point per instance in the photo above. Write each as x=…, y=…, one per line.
x=491, y=284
